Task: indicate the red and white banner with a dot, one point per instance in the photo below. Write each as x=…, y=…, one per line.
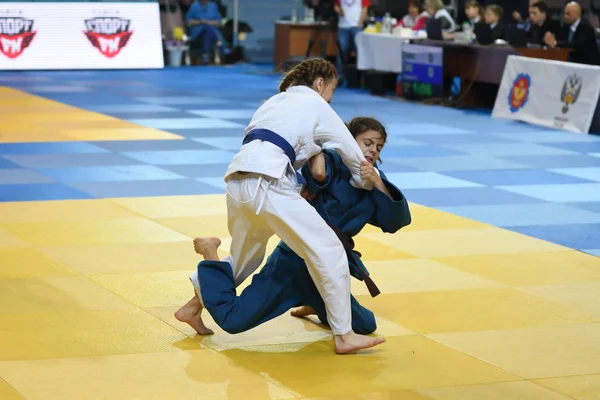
x=38, y=36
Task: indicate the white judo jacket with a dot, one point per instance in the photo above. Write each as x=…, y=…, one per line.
x=303, y=118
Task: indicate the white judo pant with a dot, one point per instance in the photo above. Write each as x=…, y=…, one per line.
x=282, y=211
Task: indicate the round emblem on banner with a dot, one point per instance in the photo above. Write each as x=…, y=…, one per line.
x=430, y=72
x=519, y=92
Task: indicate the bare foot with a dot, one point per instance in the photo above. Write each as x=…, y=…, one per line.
x=207, y=247
x=352, y=342
x=190, y=313
x=303, y=311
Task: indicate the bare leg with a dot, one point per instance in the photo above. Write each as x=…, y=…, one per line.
x=303, y=311
x=191, y=312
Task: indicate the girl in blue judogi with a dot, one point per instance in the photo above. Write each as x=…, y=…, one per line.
x=284, y=282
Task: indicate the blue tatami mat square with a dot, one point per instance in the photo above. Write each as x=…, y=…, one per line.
x=217, y=183
x=390, y=167
x=179, y=187
x=110, y=173
x=182, y=157
x=14, y=79
x=508, y=149
x=591, y=174
x=526, y=214
x=186, y=123
x=131, y=108
x=49, y=148
x=393, y=152
x=422, y=180
x=244, y=113
x=124, y=146
x=191, y=133
x=199, y=170
x=575, y=236
x=585, y=147
x=591, y=206
x=437, y=139
x=556, y=161
x=84, y=100
x=233, y=105
x=449, y=197
x=197, y=100
x=40, y=191
x=25, y=176
x=458, y=163
x=130, y=116
x=6, y=164
x=71, y=160
x=55, y=89
x=547, y=137
x=578, y=192
x=232, y=143
x=424, y=129
x=515, y=177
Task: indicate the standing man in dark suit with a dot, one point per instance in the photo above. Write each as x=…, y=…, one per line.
x=540, y=23
x=577, y=34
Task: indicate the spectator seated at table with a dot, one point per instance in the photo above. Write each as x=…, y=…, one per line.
x=521, y=19
x=203, y=20
x=493, y=18
x=416, y=17
x=437, y=9
x=577, y=34
x=474, y=12
x=540, y=24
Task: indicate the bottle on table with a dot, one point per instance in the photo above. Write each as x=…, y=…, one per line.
x=387, y=23
x=309, y=15
x=468, y=30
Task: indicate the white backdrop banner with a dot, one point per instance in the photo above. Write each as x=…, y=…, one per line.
x=80, y=36
x=556, y=94
x=379, y=52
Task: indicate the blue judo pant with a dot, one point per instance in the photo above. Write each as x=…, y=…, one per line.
x=282, y=284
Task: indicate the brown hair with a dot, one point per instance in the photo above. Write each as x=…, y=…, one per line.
x=496, y=9
x=416, y=4
x=475, y=4
x=305, y=73
x=360, y=125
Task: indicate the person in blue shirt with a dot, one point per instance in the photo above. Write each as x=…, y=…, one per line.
x=203, y=20
x=285, y=282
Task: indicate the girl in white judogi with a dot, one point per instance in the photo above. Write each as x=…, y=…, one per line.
x=263, y=196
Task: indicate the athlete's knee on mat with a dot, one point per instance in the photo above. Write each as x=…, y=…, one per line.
x=365, y=324
x=233, y=326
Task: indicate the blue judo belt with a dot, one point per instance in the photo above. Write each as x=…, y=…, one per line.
x=268, y=136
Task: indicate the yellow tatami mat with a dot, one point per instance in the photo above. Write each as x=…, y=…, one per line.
x=28, y=118
x=470, y=312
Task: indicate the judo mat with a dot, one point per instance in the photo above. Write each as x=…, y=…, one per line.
x=490, y=294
